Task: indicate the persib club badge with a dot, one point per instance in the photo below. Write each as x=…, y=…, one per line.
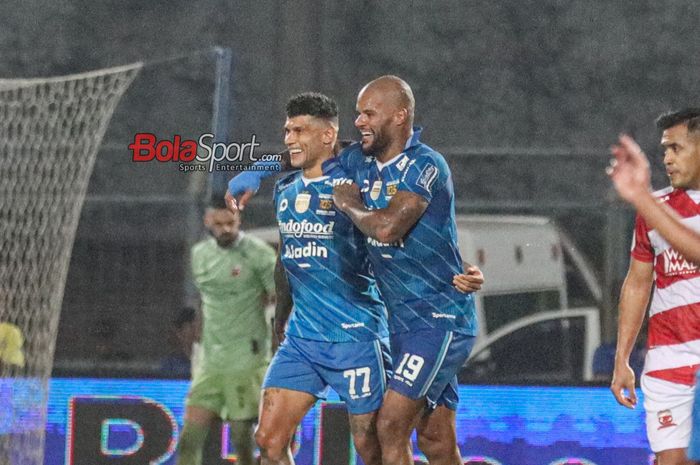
x=301, y=204
x=376, y=190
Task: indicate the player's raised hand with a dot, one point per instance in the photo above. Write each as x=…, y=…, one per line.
x=622, y=386
x=242, y=187
x=470, y=281
x=237, y=205
x=231, y=202
x=629, y=170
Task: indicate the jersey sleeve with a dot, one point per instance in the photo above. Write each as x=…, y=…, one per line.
x=641, y=246
x=275, y=193
x=351, y=160
x=423, y=176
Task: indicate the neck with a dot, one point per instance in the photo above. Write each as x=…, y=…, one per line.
x=316, y=171
x=396, y=147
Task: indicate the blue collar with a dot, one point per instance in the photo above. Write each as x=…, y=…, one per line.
x=414, y=139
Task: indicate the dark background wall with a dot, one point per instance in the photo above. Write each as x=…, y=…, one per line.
x=524, y=74
x=524, y=97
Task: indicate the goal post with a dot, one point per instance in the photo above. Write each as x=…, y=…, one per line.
x=50, y=132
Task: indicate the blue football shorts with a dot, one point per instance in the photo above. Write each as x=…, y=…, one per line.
x=426, y=363
x=357, y=371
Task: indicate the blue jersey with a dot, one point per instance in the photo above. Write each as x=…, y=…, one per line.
x=335, y=296
x=415, y=274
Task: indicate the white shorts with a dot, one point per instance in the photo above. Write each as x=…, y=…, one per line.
x=669, y=408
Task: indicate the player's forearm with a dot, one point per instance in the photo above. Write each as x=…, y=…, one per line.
x=377, y=224
x=633, y=303
x=283, y=295
x=665, y=222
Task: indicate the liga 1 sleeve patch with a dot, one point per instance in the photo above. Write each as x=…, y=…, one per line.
x=427, y=177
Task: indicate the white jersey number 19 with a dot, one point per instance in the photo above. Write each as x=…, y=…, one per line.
x=410, y=366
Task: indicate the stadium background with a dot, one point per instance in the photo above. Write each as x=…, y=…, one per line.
x=523, y=97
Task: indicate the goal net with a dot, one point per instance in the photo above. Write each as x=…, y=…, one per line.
x=50, y=131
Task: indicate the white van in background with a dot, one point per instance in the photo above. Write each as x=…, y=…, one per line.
x=528, y=333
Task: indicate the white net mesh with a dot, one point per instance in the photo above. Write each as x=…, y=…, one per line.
x=50, y=130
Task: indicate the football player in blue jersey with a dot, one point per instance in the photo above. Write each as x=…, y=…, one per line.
x=337, y=333
x=412, y=241
x=403, y=201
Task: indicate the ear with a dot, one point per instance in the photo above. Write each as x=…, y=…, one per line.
x=401, y=116
x=207, y=218
x=329, y=135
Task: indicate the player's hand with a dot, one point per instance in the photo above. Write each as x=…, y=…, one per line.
x=238, y=205
x=470, y=281
x=241, y=188
x=346, y=194
x=622, y=385
x=629, y=170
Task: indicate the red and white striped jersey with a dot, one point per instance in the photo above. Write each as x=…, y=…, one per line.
x=674, y=314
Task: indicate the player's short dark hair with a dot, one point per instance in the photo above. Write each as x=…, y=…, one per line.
x=689, y=116
x=313, y=104
x=184, y=316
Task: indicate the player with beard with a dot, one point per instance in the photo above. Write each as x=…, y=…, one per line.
x=403, y=201
x=234, y=274
x=433, y=323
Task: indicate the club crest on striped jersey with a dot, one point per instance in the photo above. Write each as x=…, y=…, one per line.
x=302, y=201
x=376, y=190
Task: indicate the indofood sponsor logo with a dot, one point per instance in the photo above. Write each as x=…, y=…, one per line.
x=307, y=229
